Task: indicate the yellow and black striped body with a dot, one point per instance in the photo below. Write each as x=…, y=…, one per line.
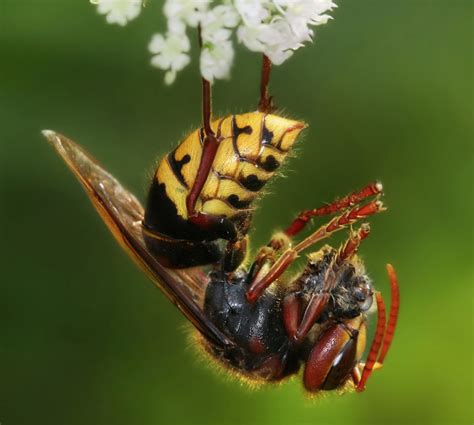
x=251, y=148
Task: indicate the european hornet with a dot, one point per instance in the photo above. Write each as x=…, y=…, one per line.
x=191, y=241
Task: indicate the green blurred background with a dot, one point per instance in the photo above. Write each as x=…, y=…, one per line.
x=86, y=339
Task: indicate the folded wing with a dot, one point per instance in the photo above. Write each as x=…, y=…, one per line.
x=123, y=215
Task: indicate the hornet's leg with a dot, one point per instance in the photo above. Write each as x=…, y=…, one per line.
x=282, y=240
x=234, y=254
x=283, y=262
x=221, y=228
x=346, y=202
x=209, y=149
x=267, y=255
x=265, y=103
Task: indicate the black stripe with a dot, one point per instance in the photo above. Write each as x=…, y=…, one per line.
x=252, y=182
x=267, y=135
x=236, y=132
x=237, y=203
x=267, y=138
x=161, y=216
x=276, y=148
x=176, y=165
x=270, y=163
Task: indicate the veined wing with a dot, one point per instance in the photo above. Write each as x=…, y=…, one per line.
x=123, y=215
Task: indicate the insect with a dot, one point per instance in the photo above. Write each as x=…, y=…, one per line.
x=191, y=239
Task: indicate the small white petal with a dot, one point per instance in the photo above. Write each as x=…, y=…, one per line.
x=249, y=37
x=156, y=44
x=217, y=36
x=322, y=19
x=216, y=24
x=170, y=53
x=161, y=61
x=216, y=61
x=278, y=56
x=181, y=42
x=299, y=15
x=227, y=15
x=189, y=11
x=170, y=76
x=252, y=11
x=119, y=11
x=180, y=61
x=116, y=18
x=176, y=26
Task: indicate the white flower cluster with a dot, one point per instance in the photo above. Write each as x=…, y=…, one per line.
x=275, y=28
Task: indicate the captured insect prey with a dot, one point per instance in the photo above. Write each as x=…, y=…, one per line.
x=250, y=313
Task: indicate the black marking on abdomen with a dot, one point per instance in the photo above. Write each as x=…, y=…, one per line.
x=235, y=201
x=267, y=135
x=161, y=216
x=276, y=148
x=236, y=132
x=252, y=183
x=177, y=165
x=270, y=164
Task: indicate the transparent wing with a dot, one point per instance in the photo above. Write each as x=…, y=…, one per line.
x=123, y=215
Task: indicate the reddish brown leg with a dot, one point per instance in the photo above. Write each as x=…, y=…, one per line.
x=337, y=223
x=292, y=310
x=209, y=149
x=352, y=244
x=234, y=254
x=265, y=103
x=383, y=336
x=259, y=285
x=348, y=201
x=303, y=218
x=340, y=222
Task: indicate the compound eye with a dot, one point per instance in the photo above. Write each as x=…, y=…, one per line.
x=364, y=296
x=367, y=303
x=360, y=294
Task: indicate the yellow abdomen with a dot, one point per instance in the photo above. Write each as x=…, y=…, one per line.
x=251, y=147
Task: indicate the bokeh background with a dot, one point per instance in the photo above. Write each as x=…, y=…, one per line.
x=86, y=339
